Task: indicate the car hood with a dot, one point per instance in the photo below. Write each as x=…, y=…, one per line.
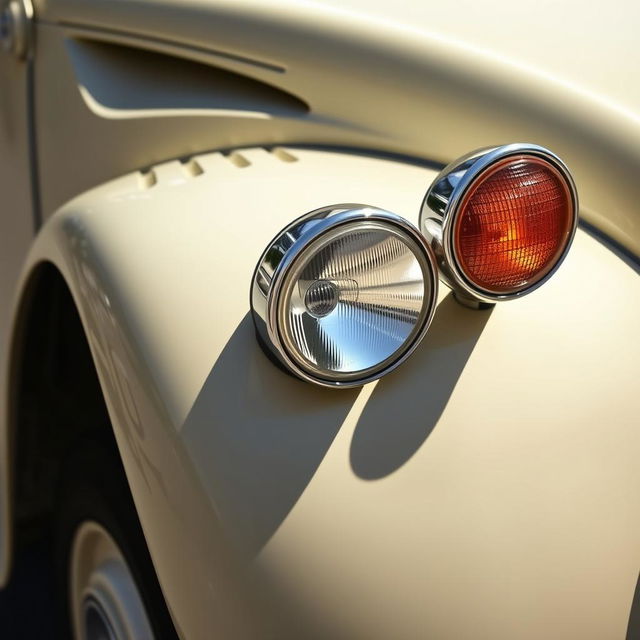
x=422, y=79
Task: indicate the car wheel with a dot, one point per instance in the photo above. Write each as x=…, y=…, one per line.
x=108, y=586
x=103, y=596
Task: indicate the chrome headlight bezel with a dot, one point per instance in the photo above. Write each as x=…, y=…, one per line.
x=286, y=250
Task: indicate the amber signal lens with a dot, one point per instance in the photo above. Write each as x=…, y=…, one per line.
x=513, y=224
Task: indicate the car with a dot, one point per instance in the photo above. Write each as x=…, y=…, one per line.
x=265, y=374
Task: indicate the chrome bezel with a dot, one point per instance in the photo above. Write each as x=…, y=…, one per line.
x=290, y=245
x=440, y=209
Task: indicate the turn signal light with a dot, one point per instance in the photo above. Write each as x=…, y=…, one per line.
x=500, y=221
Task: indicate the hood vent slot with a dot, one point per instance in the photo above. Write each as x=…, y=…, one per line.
x=120, y=82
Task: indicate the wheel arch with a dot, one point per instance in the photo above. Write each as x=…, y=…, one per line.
x=53, y=397
x=84, y=248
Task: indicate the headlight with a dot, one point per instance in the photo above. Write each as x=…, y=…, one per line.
x=344, y=294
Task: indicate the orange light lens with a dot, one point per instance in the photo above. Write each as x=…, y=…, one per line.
x=513, y=224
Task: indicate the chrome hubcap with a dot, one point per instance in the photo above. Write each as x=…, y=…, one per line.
x=105, y=601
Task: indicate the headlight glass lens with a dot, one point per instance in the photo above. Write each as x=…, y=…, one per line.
x=356, y=297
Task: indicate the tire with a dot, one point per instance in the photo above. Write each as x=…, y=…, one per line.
x=107, y=584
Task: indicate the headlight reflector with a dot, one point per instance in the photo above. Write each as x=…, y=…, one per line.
x=350, y=297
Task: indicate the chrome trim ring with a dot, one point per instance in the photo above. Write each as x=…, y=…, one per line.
x=283, y=254
x=440, y=209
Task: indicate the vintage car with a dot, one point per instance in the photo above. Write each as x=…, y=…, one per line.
x=234, y=398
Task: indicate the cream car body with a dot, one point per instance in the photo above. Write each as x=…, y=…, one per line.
x=487, y=488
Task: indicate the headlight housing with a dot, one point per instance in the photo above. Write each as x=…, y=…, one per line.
x=344, y=294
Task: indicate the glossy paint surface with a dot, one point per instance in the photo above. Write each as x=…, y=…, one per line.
x=487, y=488
x=429, y=80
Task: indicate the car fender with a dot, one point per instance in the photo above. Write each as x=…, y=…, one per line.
x=497, y=468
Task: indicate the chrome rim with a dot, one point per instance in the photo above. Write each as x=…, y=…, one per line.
x=104, y=599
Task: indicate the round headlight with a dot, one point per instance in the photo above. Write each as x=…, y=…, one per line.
x=344, y=294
